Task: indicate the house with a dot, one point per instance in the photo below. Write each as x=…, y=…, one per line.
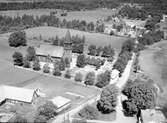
x=16, y=94
x=51, y=53
x=163, y=26
x=62, y=103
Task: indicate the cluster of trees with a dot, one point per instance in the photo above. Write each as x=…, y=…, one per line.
x=108, y=99
x=8, y=23
x=17, y=39
x=124, y=56
x=141, y=95
x=77, y=43
x=133, y=12
x=67, y=5
x=102, y=80
x=150, y=38
x=82, y=61
x=106, y=51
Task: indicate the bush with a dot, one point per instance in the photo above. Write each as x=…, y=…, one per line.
x=68, y=74
x=46, y=68
x=48, y=110
x=36, y=65
x=108, y=99
x=18, y=58
x=90, y=78
x=26, y=63
x=78, y=77
x=89, y=113
x=17, y=39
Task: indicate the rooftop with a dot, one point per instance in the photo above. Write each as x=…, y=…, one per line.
x=15, y=93
x=60, y=101
x=54, y=51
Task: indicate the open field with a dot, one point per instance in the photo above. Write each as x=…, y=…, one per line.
x=153, y=62
x=91, y=38
x=89, y=15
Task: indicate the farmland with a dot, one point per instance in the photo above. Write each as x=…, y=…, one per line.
x=153, y=62
x=89, y=15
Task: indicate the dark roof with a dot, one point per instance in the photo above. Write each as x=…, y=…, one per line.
x=68, y=37
x=54, y=51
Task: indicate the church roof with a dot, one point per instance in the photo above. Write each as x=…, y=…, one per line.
x=54, y=51
x=68, y=37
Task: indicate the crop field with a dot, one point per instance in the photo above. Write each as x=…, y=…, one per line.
x=91, y=38
x=89, y=15
x=153, y=62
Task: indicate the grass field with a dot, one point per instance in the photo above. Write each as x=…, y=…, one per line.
x=154, y=63
x=91, y=38
x=89, y=15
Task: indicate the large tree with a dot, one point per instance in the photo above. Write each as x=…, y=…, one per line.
x=81, y=61
x=141, y=94
x=17, y=39
x=18, y=58
x=90, y=78
x=108, y=99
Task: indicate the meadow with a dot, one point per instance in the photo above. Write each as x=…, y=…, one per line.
x=153, y=62
x=90, y=38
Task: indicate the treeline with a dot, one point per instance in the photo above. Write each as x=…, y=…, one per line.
x=27, y=21
x=67, y=5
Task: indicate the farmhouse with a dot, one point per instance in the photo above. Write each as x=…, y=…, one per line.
x=163, y=25
x=15, y=94
x=51, y=53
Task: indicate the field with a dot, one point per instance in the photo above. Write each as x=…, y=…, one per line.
x=89, y=15
x=91, y=38
x=153, y=62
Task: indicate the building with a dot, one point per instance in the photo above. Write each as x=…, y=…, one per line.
x=61, y=103
x=163, y=26
x=50, y=53
x=14, y=94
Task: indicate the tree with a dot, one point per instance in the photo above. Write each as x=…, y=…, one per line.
x=90, y=78
x=48, y=110
x=78, y=77
x=108, y=51
x=56, y=71
x=98, y=51
x=103, y=79
x=56, y=41
x=128, y=45
x=26, y=63
x=36, y=65
x=142, y=95
x=81, y=61
x=31, y=54
x=46, y=68
x=92, y=50
x=67, y=74
x=89, y=113
x=62, y=64
x=40, y=119
x=108, y=99
x=17, y=39
x=18, y=58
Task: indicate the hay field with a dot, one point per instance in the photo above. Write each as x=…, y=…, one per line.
x=89, y=15
x=91, y=38
x=153, y=62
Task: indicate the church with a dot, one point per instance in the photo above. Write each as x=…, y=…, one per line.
x=51, y=53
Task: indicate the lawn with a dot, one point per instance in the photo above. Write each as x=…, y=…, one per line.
x=91, y=38
x=153, y=62
x=89, y=15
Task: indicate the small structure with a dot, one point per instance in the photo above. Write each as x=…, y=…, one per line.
x=15, y=94
x=61, y=103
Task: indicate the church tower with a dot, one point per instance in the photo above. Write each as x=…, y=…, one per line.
x=68, y=46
